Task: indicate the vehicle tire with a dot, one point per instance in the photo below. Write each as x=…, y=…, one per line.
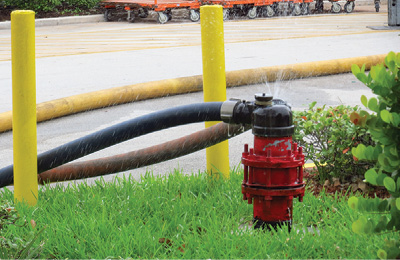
x=168, y=12
x=131, y=17
x=275, y=6
x=143, y=13
x=225, y=14
x=162, y=17
x=194, y=15
x=296, y=11
x=305, y=9
x=377, y=7
x=336, y=7
x=285, y=9
x=252, y=13
x=108, y=15
x=319, y=6
x=268, y=11
x=349, y=7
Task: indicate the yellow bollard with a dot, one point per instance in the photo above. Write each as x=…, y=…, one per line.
x=24, y=106
x=214, y=80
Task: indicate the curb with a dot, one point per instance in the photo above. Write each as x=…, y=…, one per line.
x=156, y=89
x=60, y=21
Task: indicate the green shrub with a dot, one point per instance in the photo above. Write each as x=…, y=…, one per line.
x=327, y=136
x=82, y=3
x=35, y=5
x=383, y=122
x=51, y=5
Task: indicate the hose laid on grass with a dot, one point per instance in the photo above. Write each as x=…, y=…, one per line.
x=121, y=132
x=155, y=89
x=144, y=157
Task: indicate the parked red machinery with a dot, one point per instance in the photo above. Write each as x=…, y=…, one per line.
x=142, y=7
x=261, y=8
x=336, y=7
x=232, y=8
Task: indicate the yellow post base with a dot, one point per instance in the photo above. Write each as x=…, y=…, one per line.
x=24, y=106
x=214, y=79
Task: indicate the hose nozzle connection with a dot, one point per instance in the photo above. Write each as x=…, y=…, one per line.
x=267, y=116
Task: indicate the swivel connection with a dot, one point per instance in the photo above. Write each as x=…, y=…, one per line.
x=267, y=116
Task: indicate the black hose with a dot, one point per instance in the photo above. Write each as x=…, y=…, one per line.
x=121, y=132
x=143, y=157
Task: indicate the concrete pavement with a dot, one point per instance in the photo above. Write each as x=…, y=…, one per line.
x=176, y=52
x=76, y=59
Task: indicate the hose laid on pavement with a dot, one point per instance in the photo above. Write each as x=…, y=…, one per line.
x=162, y=88
x=121, y=132
x=144, y=157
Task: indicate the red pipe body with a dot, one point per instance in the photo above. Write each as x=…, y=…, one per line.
x=273, y=177
x=273, y=169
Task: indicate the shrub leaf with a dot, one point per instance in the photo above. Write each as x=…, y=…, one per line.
x=389, y=184
x=386, y=116
x=370, y=176
x=353, y=202
x=364, y=100
x=373, y=104
x=382, y=254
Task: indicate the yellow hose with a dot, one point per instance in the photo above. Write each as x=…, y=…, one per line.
x=155, y=89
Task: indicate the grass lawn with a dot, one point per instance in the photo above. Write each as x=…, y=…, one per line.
x=176, y=216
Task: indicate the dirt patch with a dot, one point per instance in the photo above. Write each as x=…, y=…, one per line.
x=344, y=189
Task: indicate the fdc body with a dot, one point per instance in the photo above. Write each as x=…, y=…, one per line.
x=273, y=169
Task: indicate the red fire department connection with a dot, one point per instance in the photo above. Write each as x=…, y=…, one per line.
x=273, y=169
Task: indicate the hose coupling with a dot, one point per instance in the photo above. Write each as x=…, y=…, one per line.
x=227, y=109
x=266, y=115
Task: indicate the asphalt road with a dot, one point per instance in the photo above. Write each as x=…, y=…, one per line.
x=75, y=59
